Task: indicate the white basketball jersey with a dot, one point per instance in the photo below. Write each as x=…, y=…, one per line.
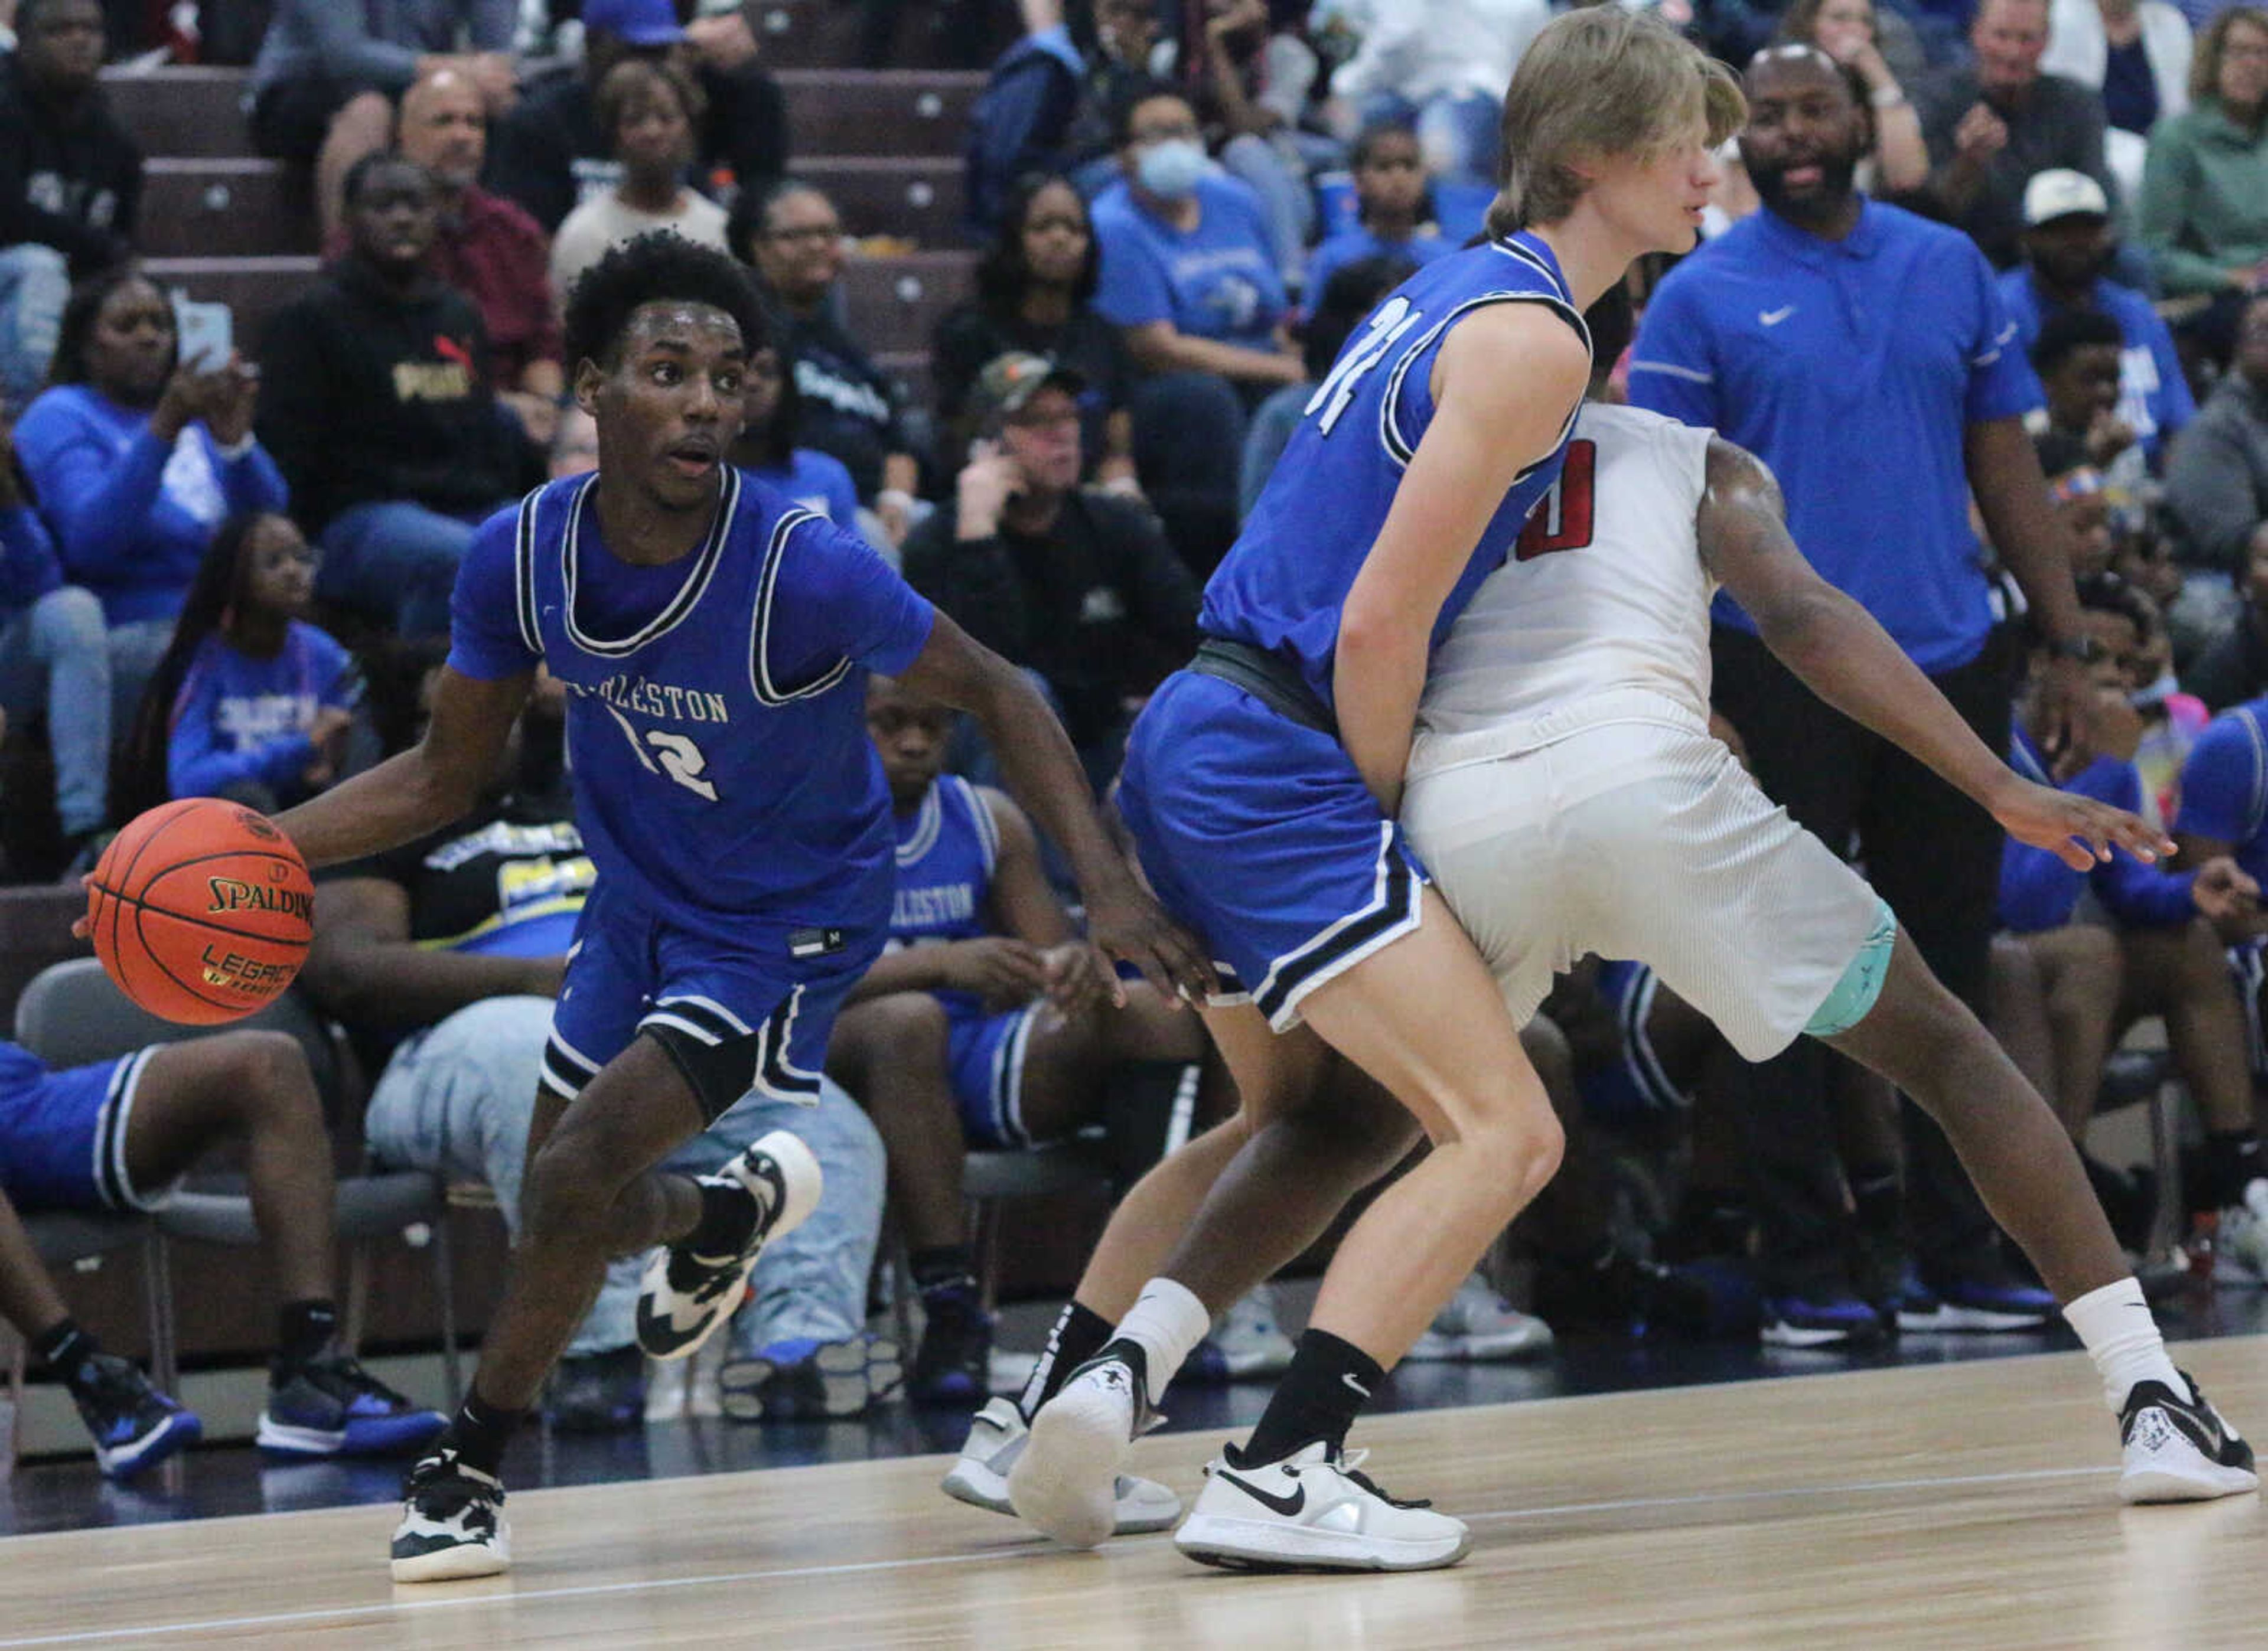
x=1601, y=614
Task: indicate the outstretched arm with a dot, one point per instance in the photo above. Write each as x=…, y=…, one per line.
x=1847, y=659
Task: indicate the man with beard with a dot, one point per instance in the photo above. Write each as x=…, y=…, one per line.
x=2068, y=244
x=1865, y=356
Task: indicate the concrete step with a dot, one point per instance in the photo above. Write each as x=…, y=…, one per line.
x=917, y=199
x=893, y=304
x=200, y=206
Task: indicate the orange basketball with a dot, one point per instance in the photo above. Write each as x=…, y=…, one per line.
x=201, y=910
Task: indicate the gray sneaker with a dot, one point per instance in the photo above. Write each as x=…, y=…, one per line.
x=1478, y=1326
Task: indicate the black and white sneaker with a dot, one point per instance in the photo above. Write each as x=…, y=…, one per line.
x=1065, y=1480
x=2179, y=1450
x=997, y=1437
x=1312, y=1511
x=684, y=1296
x=452, y=1524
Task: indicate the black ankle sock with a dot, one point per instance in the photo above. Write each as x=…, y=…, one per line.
x=304, y=1331
x=941, y=1267
x=1329, y=1383
x=2233, y=1161
x=1078, y=1335
x=728, y=1221
x=65, y=1350
x=1876, y=1201
x=481, y=1432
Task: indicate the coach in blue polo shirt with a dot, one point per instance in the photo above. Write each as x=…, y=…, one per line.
x=2068, y=245
x=1864, y=353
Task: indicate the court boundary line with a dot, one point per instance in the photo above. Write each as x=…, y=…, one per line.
x=1029, y=1550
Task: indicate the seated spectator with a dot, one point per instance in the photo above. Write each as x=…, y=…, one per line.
x=2164, y=952
x=1035, y=294
x=251, y=702
x=1045, y=109
x=118, y=1135
x=2233, y=668
x=2076, y=358
x=2135, y=55
x=379, y=411
x=70, y=182
x=443, y=959
x=133, y=1426
x=53, y=659
x=2067, y=245
x=552, y=153
x=1441, y=68
x=1340, y=304
x=1861, y=37
x=1393, y=214
x=1252, y=81
x=2217, y=473
x=1189, y=278
x=987, y=1023
x=486, y=247
x=1991, y=127
x=771, y=414
x=324, y=85
x=2123, y=619
x=135, y=458
x=650, y=112
x=1078, y=586
x=793, y=238
x=2202, y=215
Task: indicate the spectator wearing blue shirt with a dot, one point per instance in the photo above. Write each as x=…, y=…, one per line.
x=250, y=702
x=135, y=458
x=1864, y=354
x=771, y=413
x=1189, y=278
x=2067, y=245
x=1393, y=218
x=52, y=657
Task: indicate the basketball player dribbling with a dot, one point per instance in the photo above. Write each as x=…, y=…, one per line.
x=714, y=642
x=1261, y=788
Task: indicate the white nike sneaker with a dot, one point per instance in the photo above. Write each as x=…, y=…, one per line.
x=1314, y=1512
x=1478, y=1325
x=1064, y=1480
x=2177, y=1450
x=997, y=1437
x=684, y=1297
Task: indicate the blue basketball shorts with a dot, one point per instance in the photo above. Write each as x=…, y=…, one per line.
x=1258, y=833
x=987, y=1072
x=63, y=1135
x=1632, y=1088
x=736, y=1017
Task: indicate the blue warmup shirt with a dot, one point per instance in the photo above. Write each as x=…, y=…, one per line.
x=1282, y=585
x=2154, y=393
x=237, y=718
x=817, y=481
x=28, y=568
x=1852, y=368
x=2038, y=891
x=948, y=848
x=715, y=715
x=132, y=516
x=2225, y=786
x=1219, y=281
x=1351, y=247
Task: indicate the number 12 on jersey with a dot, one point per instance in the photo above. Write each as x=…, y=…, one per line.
x=1562, y=518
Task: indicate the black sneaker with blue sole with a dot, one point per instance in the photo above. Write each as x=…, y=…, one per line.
x=334, y=1407
x=135, y=1426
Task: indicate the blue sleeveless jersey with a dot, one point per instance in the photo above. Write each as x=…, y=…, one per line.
x=946, y=849
x=1284, y=584
x=716, y=718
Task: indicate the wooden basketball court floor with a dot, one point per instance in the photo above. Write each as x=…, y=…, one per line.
x=1956, y=1505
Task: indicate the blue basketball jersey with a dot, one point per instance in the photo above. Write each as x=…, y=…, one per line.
x=946, y=850
x=1282, y=585
x=716, y=719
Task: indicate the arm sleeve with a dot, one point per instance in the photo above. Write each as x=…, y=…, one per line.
x=1133, y=291
x=1673, y=367
x=2209, y=490
x=839, y=602
x=2037, y=890
x=485, y=639
x=2161, y=217
x=251, y=481
x=28, y=570
x=1021, y=116
x=2001, y=384
x=97, y=502
x=196, y=765
x=2224, y=782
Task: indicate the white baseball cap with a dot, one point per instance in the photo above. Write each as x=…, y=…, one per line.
x=2062, y=193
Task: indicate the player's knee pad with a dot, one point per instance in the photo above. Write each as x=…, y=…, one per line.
x=720, y=1073
x=1852, y=999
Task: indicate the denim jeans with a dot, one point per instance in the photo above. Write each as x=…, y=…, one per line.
x=396, y=560
x=53, y=656
x=135, y=649
x=1189, y=444
x=34, y=286
x=457, y=1099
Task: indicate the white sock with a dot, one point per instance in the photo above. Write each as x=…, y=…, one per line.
x=2122, y=1337
x=1167, y=1322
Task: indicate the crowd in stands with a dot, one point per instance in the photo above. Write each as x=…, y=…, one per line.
x=1986, y=283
